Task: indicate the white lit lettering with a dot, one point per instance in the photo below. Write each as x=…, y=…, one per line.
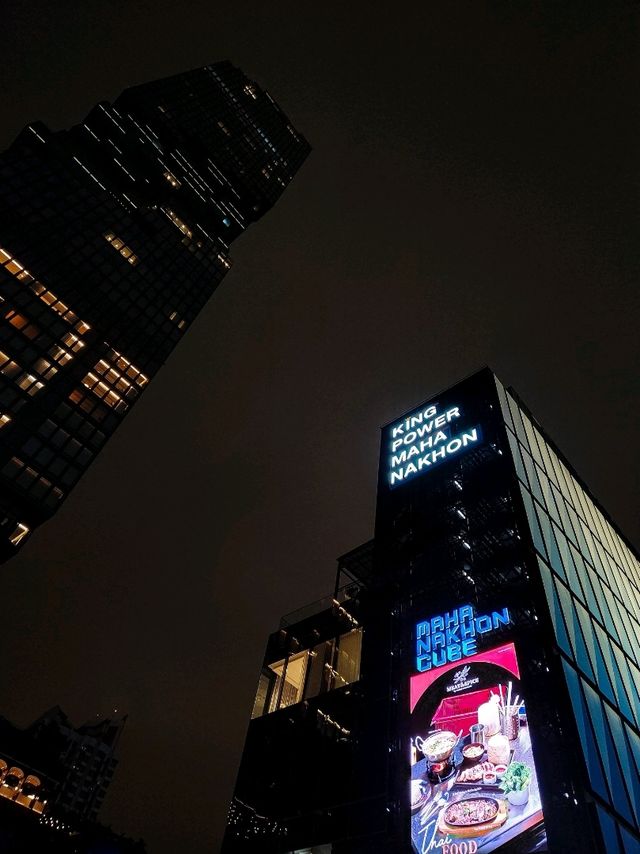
x=424, y=439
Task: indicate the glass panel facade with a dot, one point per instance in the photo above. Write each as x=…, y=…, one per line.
x=592, y=584
x=329, y=665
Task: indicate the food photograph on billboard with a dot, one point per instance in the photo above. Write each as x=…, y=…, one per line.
x=473, y=785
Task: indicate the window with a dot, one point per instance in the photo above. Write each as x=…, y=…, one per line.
x=289, y=686
x=171, y=178
x=50, y=299
x=18, y=534
x=329, y=665
x=121, y=247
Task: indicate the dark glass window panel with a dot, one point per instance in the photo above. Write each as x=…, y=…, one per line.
x=603, y=677
x=629, y=677
x=534, y=526
x=586, y=579
x=631, y=842
x=608, y=753
x=608, y=827
x=533, y=477
x=517, y=458
x=633, y=739
x=575, y=632
x=626, y=761
x=591, y=755
x=556, y=611
x=566, y=526
x=552, y=547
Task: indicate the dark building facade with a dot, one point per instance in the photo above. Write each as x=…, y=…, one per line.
x=113, y=235
x=53, y=780
x=473, y=682
x=72, y=766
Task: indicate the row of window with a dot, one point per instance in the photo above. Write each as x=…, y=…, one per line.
x=119, y=245
x=329, y=665
x=13, y=266
x=32, y=481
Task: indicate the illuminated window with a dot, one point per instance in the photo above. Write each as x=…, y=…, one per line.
x=347, y=665
x=171, y=178
x=289, y=685
x=4, y=419
x=7, y=366
x=59, y=355
x=329, y=665
x=19, y=533
x=29, y=383
x=72, y=341
x=19, y=321
x=16, y=269
x=121, y=247
x=179, y=224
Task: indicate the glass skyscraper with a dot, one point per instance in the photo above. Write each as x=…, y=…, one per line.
x=113, y=235
x=471, y=685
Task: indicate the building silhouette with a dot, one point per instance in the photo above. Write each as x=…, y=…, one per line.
x=73, y=766
x=497, y=610
x=53, y=780
x=113, y=236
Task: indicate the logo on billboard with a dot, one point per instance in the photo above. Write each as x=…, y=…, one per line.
x=422, y=440
x=454, y=635
x=462, y=680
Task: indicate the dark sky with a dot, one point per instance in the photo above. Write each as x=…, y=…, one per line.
x=471, y=198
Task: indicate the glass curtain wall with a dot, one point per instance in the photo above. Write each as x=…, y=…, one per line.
x=329, y=665
x=592, y=584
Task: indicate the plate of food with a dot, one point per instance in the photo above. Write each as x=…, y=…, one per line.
x=472, y=816
x=471, y=811
x=473, y=773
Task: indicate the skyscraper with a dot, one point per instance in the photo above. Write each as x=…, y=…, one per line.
x=473, y=682
x=113, y=235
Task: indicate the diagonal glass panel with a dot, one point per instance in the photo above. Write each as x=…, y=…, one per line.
x=602, y=679
x=620, y=801
x=626, y=763
x=555, y=610
x=575, y=632
x=631, y=843
x=608, y=827
x=591, y=756
x=546, y=527
x=534, y=527
x=631, y=682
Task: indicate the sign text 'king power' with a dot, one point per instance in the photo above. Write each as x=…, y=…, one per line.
x=424, y=439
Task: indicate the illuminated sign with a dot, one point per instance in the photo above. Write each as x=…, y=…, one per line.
x=454, y=635
x=422, y=440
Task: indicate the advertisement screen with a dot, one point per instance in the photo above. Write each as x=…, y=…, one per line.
x=473, y=785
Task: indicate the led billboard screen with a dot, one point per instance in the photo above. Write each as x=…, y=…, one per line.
x=474, y=785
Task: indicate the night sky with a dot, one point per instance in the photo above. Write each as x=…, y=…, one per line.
x=471, y=199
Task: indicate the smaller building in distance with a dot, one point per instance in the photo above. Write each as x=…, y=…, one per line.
x=473, y=683
x=113, y=236
x=57, y=769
